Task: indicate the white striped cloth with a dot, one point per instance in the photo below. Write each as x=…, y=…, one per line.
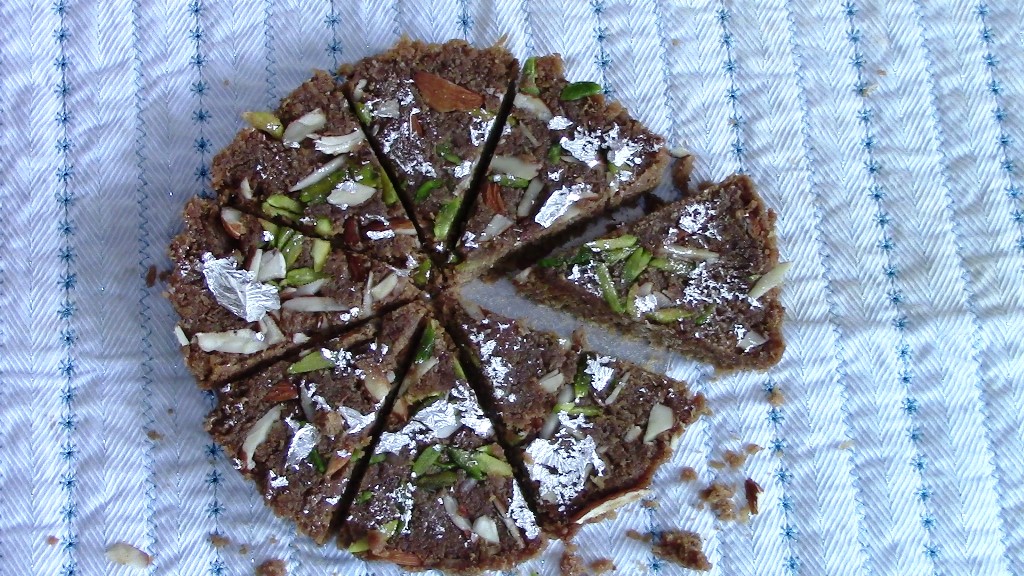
x=889, y=136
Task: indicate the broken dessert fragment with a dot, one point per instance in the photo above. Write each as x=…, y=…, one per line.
x=590, y=429
x=299, y=427
x=308, y=165
x=248, y=291
x=682, y=547
x=438, y=491
x=564, y=156
x=700, y=276
x=431, y=110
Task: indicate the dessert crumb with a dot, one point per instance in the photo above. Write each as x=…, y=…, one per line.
x=218, y=541
x=682, y=547
x=571, y=564
x=718, y=497
x=154, y=435
x=272, y=567
x=651, y=504
x=601, y=566
x=750, y=448
x=716, y=464
x=273, y=540
x=775, y=397
x=124, y=554
x=882, y=72
x=688, y=474
x=52, y=540
x=751, y=490
x=845, y=445
x=735, y=459
x=634, y=535
x=151, y=276
x=243, y=549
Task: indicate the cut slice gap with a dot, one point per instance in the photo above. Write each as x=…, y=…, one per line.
x=698, y=276
x=583, y=449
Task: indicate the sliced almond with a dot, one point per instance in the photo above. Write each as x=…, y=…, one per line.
x=179, y=334
x=633, y=434
x=487, y=529
x=337, y=463
x=689, y=253
x=402, y=226
x=258, y=434
x=529, y=198
x=552, y=381
x=303, y=126
x=514, y=166
x=271, y=333
x=125, y=554
x=492, y=197
x=319, y=174
x=498, y=224
x=613, y=504
x=533, y=105
x=313, y=304
x=770, y=280
x=241, y=341
x=335, y=145
x=350, y=193
x=272, y=266
x=281, y=392
x=383, y=289
x=232, y=221
x=376, y=385
x=661, y=419
x=245, y=189
x=446, y=96
x=451, y=507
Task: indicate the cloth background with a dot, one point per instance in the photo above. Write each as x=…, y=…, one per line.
x=887, y=135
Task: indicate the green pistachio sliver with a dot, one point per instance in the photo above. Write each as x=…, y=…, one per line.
x=669, y=315
x=390, y=528
x=320, y=251
x=367, y=175
x=467, y=462
x=444, y=150
x=492, y=466
x=511, y=181
x=635, y=265
x=631, y=297
x=426, y=460
x=611, y=257
x=705, y=316
x=446, y=218
x=318, y=192
x=364, y=497
x=457, y=368
x=388, y=193
x=512, y=121
x=363, y=114
x=282, y=237
x=421, y=275
x=529, y=83
x=311, y=362
x=555, y=153
x=318, y=461
x=270, y=228
x=550, y=262
x=423, y=192
x=578, y=90
x=582, y=381
x=616, y=243
x=301, y=276
x=361, y=545
x=604, y=280
x=282, y=206
x=292, y=249
x=439, y=480
x=425, y=350
x=265, y=121
x=563, y=407
x=590, y=411
x=323, y=226
x=378, y=458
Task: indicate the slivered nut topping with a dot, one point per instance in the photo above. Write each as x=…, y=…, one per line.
x=445, y=96
x=281, y=392
x=492, y=197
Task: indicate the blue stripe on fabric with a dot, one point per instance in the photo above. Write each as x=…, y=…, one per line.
x=464, y=20
x=1007, y=163
x=603, y=60
x=671, y=102
x=145, y=261
x=334, y=48
x=524, y=7
x=200, y=113
x=268, y=44
x=969, y=288
x=67, y=280
x=828, y=274
x=887, y=245
x=732, y=94
x=784, y=476
x=201, y=117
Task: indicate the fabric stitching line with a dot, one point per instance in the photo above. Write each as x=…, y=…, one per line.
x=464, y=20
x=732, y=94
x=334, y=47
x=66, y=311
x=825, y=253
x=1007, y=165
x=527, y=10
x=969, y=289
x=670, y=101
x=268, y=46
x=145, y=316
x=603, y=59
x=873, y=167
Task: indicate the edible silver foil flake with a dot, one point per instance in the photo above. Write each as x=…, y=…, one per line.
x=583, y=146
x=470, y=412
x=559, y=202
x=559, y=123
x=600, y=373
x=278, y=481
x=562, y=466
x=237, y=290
x=521, y=514
x=354, y=419
x=303, y=442
x=441, y=417
x=395, y=442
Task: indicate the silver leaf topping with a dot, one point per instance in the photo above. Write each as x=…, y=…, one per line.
x=303, y=441
x=562, y=465
x=600, y=372
x=237, y=290
x=559, y=202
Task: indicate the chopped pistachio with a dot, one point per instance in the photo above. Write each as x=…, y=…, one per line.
x=318, y=192
x=271, y=228
x=318, y=461
x=617, y=255
x=590, y=411
x=555, y=153
x=457, y=367
x=444, y=150
x=550, y=262
x=439, y=480
x=492, y=466
x=311, y=362
x=582, y=381
x=364, y=497
x=321, y=251
x=616, y=243
x=631, y=298
x=292, y=248
x=421, y=275
x=467, y=462
x=361, y=545
x=390, y=528
x=363, y=114
x=704, y=316
x=669, y=315
x=301, y=276
x=578, y=90
x=282, y=237
x=604, y=280
x=635, y=265
x=265, y=121
x=423, y=192
x=367, y=175
x=323, y=226
x=378, y=458
x=446, y=218
x=388, y=194
x=511, y=181
x=529, y=83
x=425, y=350
x=426, y=460
x=282, y=206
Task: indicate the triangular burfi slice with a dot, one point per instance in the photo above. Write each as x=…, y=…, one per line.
x=248, y=291
x=565, y=155
x=309, y=165
x=431, y=109
x=589, y=429
x=300, y=427
x=439, y=492
x=699, y=276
